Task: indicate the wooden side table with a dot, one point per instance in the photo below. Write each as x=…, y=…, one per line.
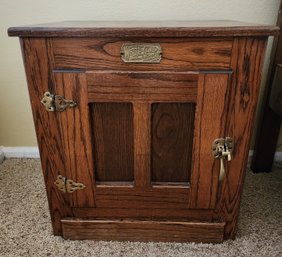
x=144, y=128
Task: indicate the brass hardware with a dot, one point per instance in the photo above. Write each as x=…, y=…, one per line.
x=141, y=52
x=47, y=101
x=67, y=185
x=222, y=149
x=56, y=102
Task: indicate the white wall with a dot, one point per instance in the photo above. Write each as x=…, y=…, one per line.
x=16, y=126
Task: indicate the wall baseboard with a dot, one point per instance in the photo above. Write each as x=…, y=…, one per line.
x=19, y=152
x=33, y=152
x=1, y=156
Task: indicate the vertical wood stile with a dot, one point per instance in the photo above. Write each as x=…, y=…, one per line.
x=76, y=137
x=209, y=125
x=246, y=62
x=142, y=143
x=38, y=68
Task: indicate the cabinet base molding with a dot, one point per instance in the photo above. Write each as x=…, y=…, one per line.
x=141, y=230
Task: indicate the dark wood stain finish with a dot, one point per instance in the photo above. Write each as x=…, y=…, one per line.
x=140, y=136
x=144, y=29
x=172, y=141
x=179, y=214
x=142, y=196
x=112, y=129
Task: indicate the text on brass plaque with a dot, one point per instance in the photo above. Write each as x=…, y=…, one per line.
x=141, y=52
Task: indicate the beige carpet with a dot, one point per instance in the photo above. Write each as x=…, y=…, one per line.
x=25, y=228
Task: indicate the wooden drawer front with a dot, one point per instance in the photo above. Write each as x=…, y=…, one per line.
x=177, y=54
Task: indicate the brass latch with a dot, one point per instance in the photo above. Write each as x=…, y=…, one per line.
x=222, y=149
x=56, y=102
x=67, y=185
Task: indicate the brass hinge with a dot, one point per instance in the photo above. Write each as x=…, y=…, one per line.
x=67, y=185
x=56, y=102
x=222, y=149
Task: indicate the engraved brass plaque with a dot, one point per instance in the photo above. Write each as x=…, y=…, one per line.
x=141, y=52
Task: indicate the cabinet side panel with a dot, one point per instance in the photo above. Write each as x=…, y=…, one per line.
x=247, y=61
x=37, y=67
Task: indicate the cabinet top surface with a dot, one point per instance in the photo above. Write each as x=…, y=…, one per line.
x=144, y=29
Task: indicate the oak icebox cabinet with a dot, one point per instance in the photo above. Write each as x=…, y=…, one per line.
x=144, y=127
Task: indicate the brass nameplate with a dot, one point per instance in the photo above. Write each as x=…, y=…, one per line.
x=141, y=52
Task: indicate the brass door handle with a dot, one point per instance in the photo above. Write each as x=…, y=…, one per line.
x=222, y=149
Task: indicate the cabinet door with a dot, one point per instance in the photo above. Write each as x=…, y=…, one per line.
x=142, y=140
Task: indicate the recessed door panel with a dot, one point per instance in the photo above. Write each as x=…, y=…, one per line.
x=172, y=129
x=112, y=133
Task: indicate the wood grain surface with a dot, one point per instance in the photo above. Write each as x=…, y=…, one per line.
x=210, y=120
x=175, y=214
x=172, y=141
x=247, y=62
x=112, y=133
x=116, y=86
x=127, y=230
x=142, y=196
x=177, y=54
x=142, y=149
x=133, y=124
x=38, y=67
x=209, y=28
x=75, y=135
